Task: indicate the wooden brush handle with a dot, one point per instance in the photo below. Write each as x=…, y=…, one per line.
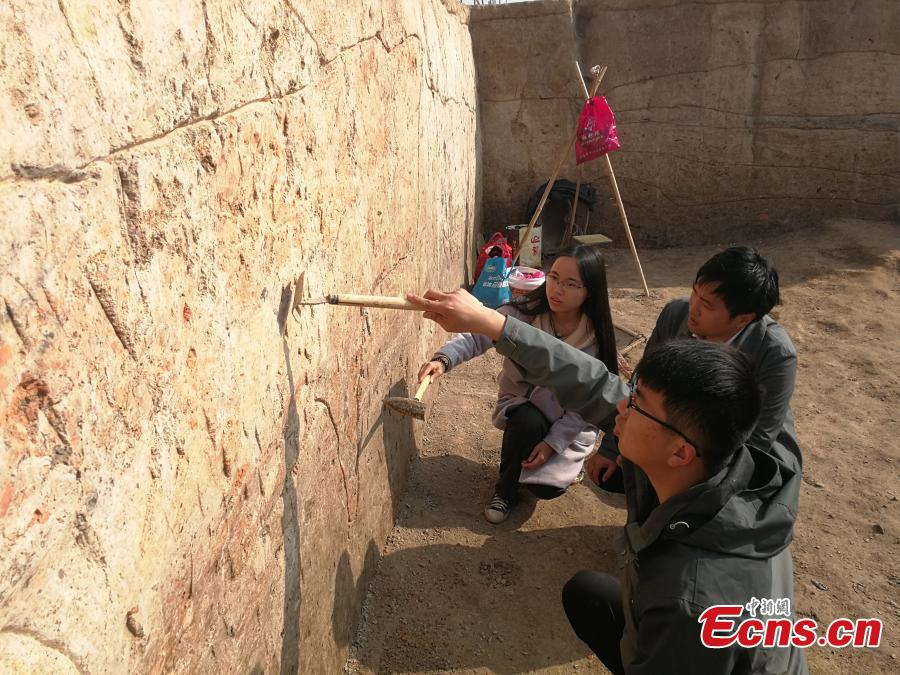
x=423, y=385
x=386, y=302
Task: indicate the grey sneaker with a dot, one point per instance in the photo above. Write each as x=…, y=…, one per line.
x=497, y=510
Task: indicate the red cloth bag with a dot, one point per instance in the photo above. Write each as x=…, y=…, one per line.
x=596, y=131
x=496, y=247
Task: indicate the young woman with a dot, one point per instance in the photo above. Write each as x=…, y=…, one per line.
x=544, y=446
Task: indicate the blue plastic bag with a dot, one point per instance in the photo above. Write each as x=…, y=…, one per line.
x=492, y=287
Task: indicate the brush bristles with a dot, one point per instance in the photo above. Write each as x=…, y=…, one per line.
x=406, y=406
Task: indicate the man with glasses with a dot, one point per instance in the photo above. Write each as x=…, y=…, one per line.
x=731, y=298
x=710, y=519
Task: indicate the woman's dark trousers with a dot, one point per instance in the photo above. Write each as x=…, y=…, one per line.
x=526, y=426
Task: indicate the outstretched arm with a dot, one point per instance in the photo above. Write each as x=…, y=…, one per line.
x=580, y=382
x=459, y=312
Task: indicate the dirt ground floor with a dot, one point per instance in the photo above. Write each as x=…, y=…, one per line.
x=456, y=594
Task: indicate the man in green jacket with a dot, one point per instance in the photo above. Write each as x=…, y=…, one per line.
x=710, y=519
x=731, y=298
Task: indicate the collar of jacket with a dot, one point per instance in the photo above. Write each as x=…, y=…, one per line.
x=749, y=340
x=641, y=531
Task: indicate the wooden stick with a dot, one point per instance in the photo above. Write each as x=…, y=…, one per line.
x=627, y=348
x=562, y=160
x=420, y=392
x=568, y=233
x=540, y=206
x=634, y=253
x=615, y=187
x=630, y=333
x=581, y=80
x=385, y=302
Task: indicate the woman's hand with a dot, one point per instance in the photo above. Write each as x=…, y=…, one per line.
x=459, y=312
x=433, y=369
x=539, y=456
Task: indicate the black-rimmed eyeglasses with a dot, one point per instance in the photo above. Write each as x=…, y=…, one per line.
x=634, y=406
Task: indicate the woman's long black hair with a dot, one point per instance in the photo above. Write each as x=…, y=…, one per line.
x=592, y=269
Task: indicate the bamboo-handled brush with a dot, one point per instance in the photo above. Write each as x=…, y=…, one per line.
x=386, y=302
x=410, y=406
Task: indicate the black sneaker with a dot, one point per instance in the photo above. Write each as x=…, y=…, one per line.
x=497, y=510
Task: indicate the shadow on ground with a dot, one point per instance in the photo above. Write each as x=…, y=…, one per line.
x=450, y=606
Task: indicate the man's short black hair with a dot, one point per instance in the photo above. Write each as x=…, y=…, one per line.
x=746, y=281
x=709, y=393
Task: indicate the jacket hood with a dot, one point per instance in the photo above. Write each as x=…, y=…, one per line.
x=749, y=511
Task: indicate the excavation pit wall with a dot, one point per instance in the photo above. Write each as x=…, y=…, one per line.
x=196, y=474
x=734, y=117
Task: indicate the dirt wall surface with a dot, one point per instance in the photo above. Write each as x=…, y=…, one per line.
x=730, y=114
x=193, y=476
